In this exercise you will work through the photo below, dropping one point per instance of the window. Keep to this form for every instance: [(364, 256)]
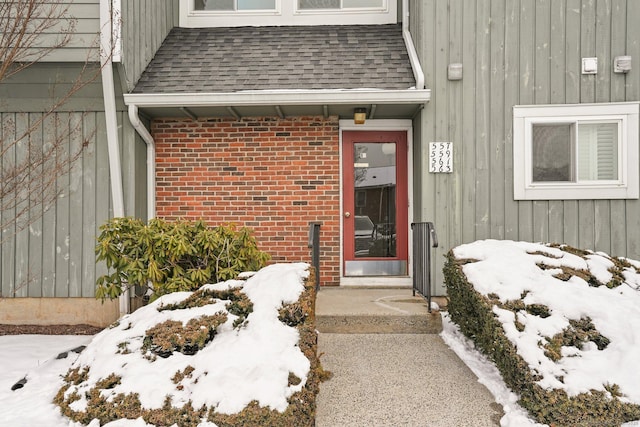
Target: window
[(581, 151), (339, 4), (235, 5), (236, 13)]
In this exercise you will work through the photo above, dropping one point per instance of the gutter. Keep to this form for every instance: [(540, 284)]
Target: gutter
[(111, 118), (280, 97), (134, 118), (411, 50)]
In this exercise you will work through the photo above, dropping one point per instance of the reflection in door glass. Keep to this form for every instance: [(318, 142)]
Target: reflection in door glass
[(375, 199)]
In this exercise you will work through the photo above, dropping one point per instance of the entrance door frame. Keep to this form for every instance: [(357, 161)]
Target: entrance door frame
[(372, 126)]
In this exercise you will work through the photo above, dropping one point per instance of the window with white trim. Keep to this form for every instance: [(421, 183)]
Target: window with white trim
[(234, 5), (577, 151), (339, 4), (233, 13)]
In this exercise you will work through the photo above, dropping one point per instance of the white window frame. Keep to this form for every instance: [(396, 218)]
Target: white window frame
[(286, 13), (628, 182), (341, 10)]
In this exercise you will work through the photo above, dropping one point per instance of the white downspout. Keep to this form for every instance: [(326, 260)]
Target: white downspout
[(134, 118), (108, 93), (411, 49)]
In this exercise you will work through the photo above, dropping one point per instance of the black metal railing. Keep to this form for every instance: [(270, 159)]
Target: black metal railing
[(424, 238), (314, 244)]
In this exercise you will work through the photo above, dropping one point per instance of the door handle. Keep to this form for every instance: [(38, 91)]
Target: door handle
[(347, 214)]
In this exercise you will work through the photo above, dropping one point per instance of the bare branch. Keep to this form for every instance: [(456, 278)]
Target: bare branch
[(35, 149), (25, 22)]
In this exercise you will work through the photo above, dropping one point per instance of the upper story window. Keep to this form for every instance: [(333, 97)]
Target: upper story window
[(235, 13), (583, 151), (235, 5), (338, 4)]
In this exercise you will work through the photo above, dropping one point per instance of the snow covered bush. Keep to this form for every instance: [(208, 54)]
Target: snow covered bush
[(262, 370), (561, 324), (172, 256)]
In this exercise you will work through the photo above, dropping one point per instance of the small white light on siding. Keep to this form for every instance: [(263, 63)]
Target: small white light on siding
[(622, 64), (589, 65), (454, 71)]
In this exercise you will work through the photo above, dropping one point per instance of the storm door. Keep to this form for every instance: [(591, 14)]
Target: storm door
[(375, 203)]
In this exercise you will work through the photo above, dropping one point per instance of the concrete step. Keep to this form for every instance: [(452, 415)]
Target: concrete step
[(430, 324), (351, 310)]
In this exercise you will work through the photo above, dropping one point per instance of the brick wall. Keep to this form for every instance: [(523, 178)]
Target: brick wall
[(273, 175)]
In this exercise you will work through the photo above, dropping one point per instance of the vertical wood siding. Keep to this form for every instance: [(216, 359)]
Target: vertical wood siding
[(145, 24), (517, 52), (54, 256)]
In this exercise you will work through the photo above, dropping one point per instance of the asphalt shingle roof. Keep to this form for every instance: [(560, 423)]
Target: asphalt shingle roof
[(258, 58)]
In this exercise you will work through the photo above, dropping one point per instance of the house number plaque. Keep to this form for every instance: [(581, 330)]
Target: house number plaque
[(440, 157)]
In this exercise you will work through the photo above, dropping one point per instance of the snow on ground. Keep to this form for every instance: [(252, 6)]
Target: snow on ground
[(263, 353), (616, 313), (488, 375), (35, 357)]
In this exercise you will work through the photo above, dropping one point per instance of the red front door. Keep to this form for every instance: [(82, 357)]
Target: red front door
[(375, 203)]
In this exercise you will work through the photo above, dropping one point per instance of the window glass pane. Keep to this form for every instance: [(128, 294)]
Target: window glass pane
[(214, 5), (361, 3), (256, 4), (597, 151), (375, 196), (551, 152), (318, 4)]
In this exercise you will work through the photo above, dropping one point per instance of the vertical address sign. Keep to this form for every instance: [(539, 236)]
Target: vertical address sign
[(440, 157)]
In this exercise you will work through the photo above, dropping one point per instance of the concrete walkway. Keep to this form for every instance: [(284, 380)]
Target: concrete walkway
[(394, 370)]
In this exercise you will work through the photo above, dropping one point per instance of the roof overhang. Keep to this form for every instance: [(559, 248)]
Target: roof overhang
[(381, 103)]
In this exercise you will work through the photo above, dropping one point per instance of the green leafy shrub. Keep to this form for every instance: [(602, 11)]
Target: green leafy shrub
[(172, 256), (473, 313)]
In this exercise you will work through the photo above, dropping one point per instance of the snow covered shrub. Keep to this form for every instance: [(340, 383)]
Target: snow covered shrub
[(172, 256), (302, 406), (225, 353), (238, 303), (170, 336), (558, 322)]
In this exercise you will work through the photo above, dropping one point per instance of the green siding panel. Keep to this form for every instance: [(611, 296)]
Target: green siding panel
[(632, 86), (53, 256), (22, 278), (89, 195), (146, 25), (496, 128), (84, 39), (517, 52), (511, 91)]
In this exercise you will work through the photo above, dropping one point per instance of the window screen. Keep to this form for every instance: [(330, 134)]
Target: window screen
[(559, 154), (235, 4), (336, 4), (551, 156)]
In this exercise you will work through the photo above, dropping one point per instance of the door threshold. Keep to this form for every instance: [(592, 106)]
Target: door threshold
[(377, 282)]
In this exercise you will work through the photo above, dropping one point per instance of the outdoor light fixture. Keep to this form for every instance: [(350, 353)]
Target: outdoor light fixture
[(622, 64), (359, 116)]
